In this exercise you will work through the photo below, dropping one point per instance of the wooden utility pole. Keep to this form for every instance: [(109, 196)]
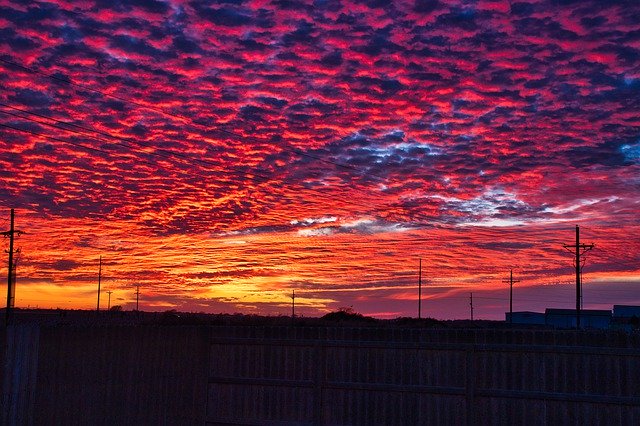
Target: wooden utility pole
[(511, 281), (420, 290), (99, 279), (471, 304), (580, 250), (109, 302), (293, 304), (137, 296), (10, 278)]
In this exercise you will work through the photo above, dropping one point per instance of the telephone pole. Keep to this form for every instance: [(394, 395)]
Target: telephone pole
[(109, 302), (471, 304), (10, 278), (99, 279), (511, 281), (581, 283), (420, 290), (293, 304), (580, 250), (137, 296)]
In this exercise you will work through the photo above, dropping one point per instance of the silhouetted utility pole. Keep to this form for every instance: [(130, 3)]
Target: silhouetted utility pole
[(10, 278), (581, 283), (580, 250), (16, 258), (511, 281), (137, 295), (471, 304), (420, 290), (109, 302), (99, 279), (293, 304)]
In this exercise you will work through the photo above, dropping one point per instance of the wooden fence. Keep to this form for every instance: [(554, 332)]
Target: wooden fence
[(175, 375), (347, 376), (104, 376)]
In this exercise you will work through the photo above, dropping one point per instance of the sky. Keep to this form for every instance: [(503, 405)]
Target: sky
[(220, 155)]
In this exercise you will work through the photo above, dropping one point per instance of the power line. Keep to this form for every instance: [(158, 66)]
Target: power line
[(178, 116), (70, 82), (611, 259), (163, 152), (157, 151), (525, 299), (168, 154), (249, 175), (90, 148), (88, 88)]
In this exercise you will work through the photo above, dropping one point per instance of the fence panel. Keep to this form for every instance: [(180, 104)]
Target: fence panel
[(429, 377)]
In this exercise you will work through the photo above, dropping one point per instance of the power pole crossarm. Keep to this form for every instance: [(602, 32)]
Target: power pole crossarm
[(511, 281), (579, 250), (11, 233)]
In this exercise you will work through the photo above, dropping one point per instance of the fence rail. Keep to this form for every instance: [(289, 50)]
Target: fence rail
[(333, 375), (349, 381)]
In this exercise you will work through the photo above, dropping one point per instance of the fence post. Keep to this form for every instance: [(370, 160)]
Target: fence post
[(470, 386), (320, 355), (20, 374)]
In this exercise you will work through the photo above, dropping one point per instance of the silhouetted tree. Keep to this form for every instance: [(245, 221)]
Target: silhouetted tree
[(346, 314)]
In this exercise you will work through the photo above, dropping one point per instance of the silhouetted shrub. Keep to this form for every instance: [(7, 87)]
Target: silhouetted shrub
[(347, 315)]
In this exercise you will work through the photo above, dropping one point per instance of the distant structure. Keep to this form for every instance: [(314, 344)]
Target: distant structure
[(566, 318), (525, 317), (626, 312), (623, 317), (626, 317)]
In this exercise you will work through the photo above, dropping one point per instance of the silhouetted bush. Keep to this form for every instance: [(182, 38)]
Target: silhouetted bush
[(415, 322), (347, 315)]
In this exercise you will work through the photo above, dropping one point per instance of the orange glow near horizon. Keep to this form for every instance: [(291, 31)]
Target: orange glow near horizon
[(328, 268)]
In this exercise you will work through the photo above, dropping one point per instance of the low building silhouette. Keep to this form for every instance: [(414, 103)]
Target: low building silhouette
[(589, 318), (525, 318), (626, 311), (566, 318)]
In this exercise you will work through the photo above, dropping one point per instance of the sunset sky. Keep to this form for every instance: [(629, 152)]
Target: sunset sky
[(222, 154)]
